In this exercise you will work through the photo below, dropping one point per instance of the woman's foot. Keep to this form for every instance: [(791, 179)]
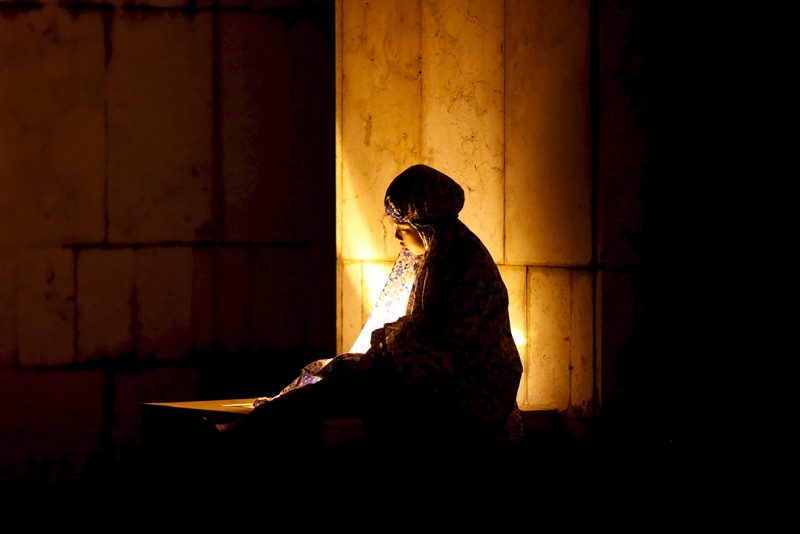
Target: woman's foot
[(223, 428), (209, 426)]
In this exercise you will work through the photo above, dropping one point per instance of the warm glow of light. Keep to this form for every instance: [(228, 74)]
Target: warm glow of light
[(519, 338), (375, 276), (359, 286), (419, 85), (361, 345), (361, 243)]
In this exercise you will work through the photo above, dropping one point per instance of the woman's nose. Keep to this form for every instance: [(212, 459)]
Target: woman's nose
[(397, 235)]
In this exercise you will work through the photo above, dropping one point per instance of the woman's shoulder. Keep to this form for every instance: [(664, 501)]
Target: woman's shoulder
[(462, 254), (472, 250)]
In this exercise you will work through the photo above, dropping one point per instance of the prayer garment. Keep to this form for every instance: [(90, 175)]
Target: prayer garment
[(436, 355)]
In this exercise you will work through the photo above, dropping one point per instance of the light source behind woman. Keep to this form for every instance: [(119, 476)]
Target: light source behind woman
[(445, 373)]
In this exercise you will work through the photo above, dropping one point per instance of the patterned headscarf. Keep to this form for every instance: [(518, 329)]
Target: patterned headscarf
[(424, 198)]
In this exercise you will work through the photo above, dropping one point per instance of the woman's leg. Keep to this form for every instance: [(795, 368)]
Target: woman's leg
[(283, 439)]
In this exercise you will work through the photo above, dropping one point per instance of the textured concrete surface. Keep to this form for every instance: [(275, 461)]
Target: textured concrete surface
[(203, 298), (108, 138), (273, 153), (233, 315), (164, 302), (549, 331), (8, 311), (548, 174), (462, 116), (160, 127), (380, 123), (279, 299), (52, 138), (107, 321), (45, 306), (115, 281), (581, 370)]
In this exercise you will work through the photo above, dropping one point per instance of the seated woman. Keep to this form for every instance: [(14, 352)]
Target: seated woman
[(445, 373)]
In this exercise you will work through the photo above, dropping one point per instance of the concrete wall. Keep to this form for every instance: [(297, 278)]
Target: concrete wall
[(167, 195), (505, 98), (166, 211)]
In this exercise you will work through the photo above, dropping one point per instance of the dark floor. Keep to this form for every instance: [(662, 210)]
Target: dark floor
[(615, 467), (568, 475)]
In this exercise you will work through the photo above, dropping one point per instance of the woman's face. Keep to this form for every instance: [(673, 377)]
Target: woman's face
[(409, 238)]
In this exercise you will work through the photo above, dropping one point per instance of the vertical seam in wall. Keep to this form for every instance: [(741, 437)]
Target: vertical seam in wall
[(107, 53), (525, 315), (105, 171), (596, 352), (339, 169), (217, 192), (594, 136), (571, 337), (505, 104), (421, 136), (361, 291), (109, 416), (15, 321), (75, 330), (136, 320), (250, 277)]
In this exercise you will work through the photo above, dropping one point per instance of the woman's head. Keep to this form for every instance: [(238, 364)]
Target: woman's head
[(420, 199), (421, 195)]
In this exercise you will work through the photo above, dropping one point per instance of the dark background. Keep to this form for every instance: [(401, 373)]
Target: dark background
[(684, 387)]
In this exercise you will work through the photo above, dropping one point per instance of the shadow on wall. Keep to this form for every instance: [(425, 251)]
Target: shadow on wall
[(80, 426), (157, 196)]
